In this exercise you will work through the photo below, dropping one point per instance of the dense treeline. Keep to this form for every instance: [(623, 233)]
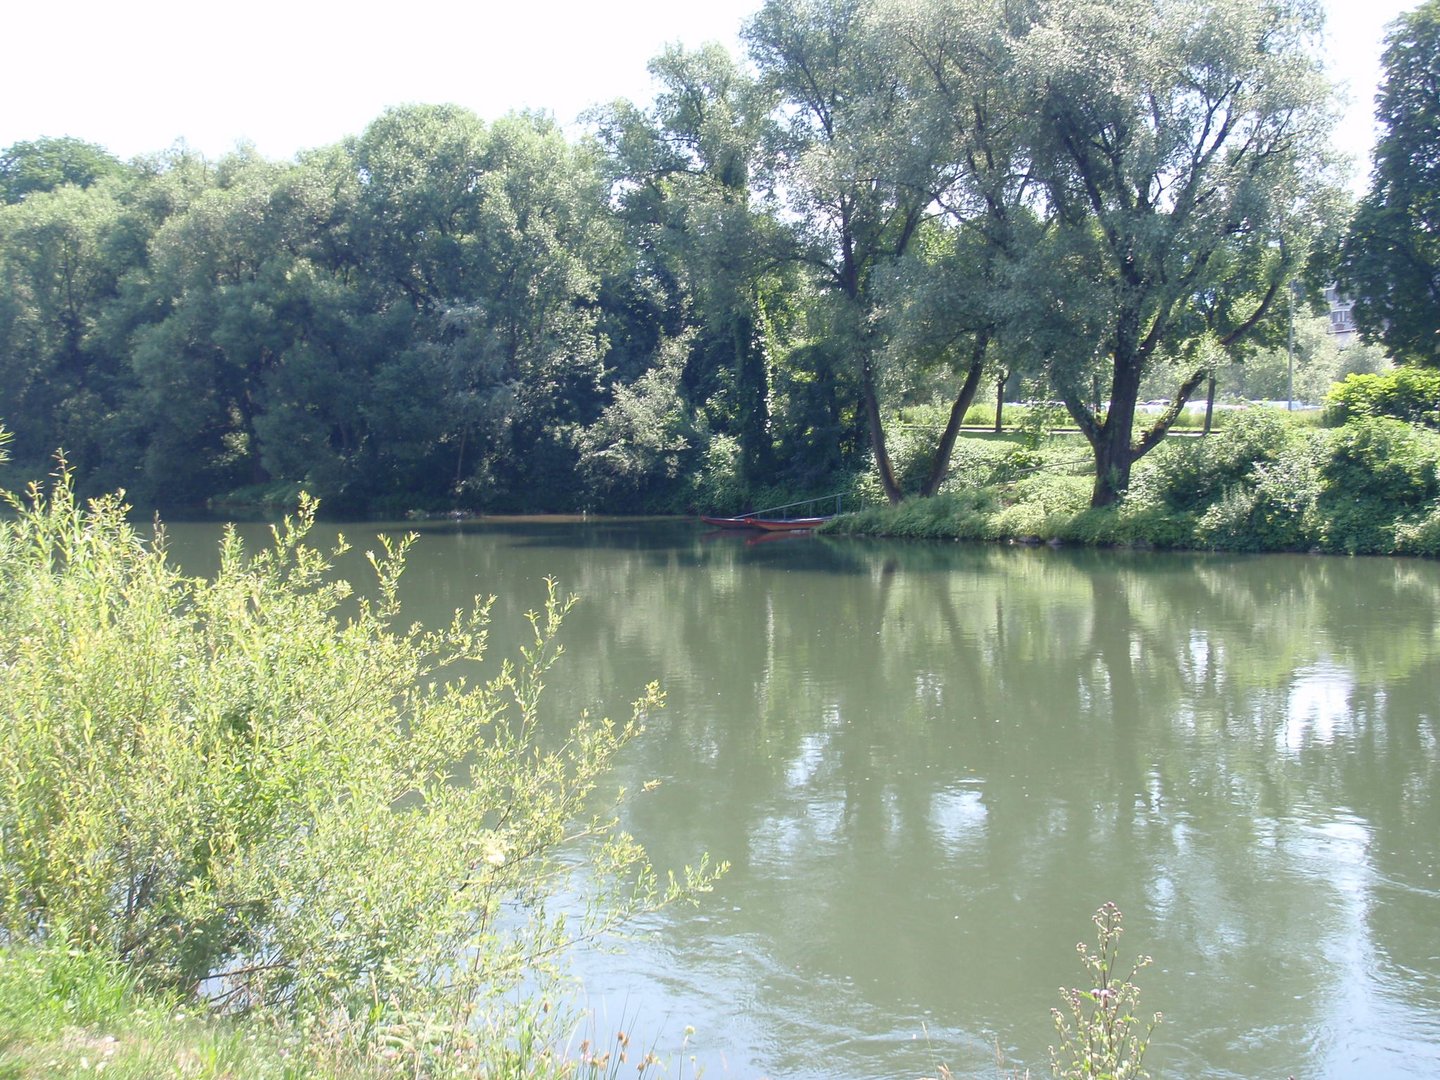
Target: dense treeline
[(415, 312), (894, 203)]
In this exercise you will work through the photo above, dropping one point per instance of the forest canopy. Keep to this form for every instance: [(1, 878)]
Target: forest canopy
[(884, 204)]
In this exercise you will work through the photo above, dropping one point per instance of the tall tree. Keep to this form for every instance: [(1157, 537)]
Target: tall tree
[(688, 176), (951, 307), (58, 383), (495, 237), (1390, 261), (858, 167), (219, 289), (1181, 147), (49, 163)]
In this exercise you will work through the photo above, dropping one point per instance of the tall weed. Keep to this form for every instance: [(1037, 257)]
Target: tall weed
[(1100, 1035)]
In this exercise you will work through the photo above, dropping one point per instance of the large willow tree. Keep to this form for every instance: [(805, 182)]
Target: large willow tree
[(1180, 144), (1110, 186)]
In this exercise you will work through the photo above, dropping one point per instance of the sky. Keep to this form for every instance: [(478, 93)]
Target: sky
[(288, 75)]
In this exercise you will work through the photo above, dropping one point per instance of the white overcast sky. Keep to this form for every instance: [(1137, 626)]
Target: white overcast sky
[(292, 74)]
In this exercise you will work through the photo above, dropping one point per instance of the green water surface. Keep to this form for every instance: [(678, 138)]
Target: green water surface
[(929, 764)]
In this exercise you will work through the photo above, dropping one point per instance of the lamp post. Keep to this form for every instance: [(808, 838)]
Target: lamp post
[(1290, 352)]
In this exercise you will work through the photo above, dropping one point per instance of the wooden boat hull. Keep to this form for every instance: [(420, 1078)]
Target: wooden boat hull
[(788, 524), (767, 524)]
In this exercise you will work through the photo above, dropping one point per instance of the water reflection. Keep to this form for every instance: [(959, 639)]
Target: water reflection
[(929, 763)]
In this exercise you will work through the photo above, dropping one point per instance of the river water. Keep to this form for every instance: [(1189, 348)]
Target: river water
[(928, 765)]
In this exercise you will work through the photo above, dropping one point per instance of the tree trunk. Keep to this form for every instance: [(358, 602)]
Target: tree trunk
[(1111, 441), (940, 460), (1114, 443), (1209, 403), (1113, 458), (757, 458), (1000, 400), (877, 433)]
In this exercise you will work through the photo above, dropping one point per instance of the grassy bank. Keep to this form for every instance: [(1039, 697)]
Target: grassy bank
[(66, 1011), (1263, 483)]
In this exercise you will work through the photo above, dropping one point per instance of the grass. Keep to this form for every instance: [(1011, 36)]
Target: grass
[(1002, 487), (67, 1012), (1269, 481)]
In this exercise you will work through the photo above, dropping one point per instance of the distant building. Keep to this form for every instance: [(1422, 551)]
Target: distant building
[(1342, 317)]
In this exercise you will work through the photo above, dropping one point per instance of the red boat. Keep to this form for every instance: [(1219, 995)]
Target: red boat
[(768, 524), (773, 518)]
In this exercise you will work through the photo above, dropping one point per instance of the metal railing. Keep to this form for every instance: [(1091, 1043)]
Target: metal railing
[(771, 511)]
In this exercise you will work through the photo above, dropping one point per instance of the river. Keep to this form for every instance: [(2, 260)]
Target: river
[(928, 765)]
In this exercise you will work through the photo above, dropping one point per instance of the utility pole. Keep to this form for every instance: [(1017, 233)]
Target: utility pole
[(1290, 353)]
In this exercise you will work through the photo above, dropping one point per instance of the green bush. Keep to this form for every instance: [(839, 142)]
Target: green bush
[(1420, 536), (1407, 393), (1189, 475), (718, 486), (1273, 508), (978, 415), (1377, 474), (983, 460), (261, 783)]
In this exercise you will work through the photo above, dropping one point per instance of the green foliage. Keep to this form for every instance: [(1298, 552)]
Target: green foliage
[(644, 440), (1273, 508), (1126, 283), (1186, 475), (56, 276), (1318, 361), (1251, 487), (1267, 482), (1101, 1038), (719, 487), (1377, 473), (1421, 536), (1039, 504), (1035, 422), (47, 164), (1391, 256), (446, 311), (963, 516), (263, 782), (1408, 393)]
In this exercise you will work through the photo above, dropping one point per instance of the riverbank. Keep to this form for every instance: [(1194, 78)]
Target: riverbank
[(1370, 487), (67, 1011)]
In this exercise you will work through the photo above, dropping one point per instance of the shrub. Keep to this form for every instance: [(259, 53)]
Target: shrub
[(977, 461), (1407, 393), (1273, 508), (1420, 536), (1188, 475), (1377, 473), (718, 485), (260, 781)]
